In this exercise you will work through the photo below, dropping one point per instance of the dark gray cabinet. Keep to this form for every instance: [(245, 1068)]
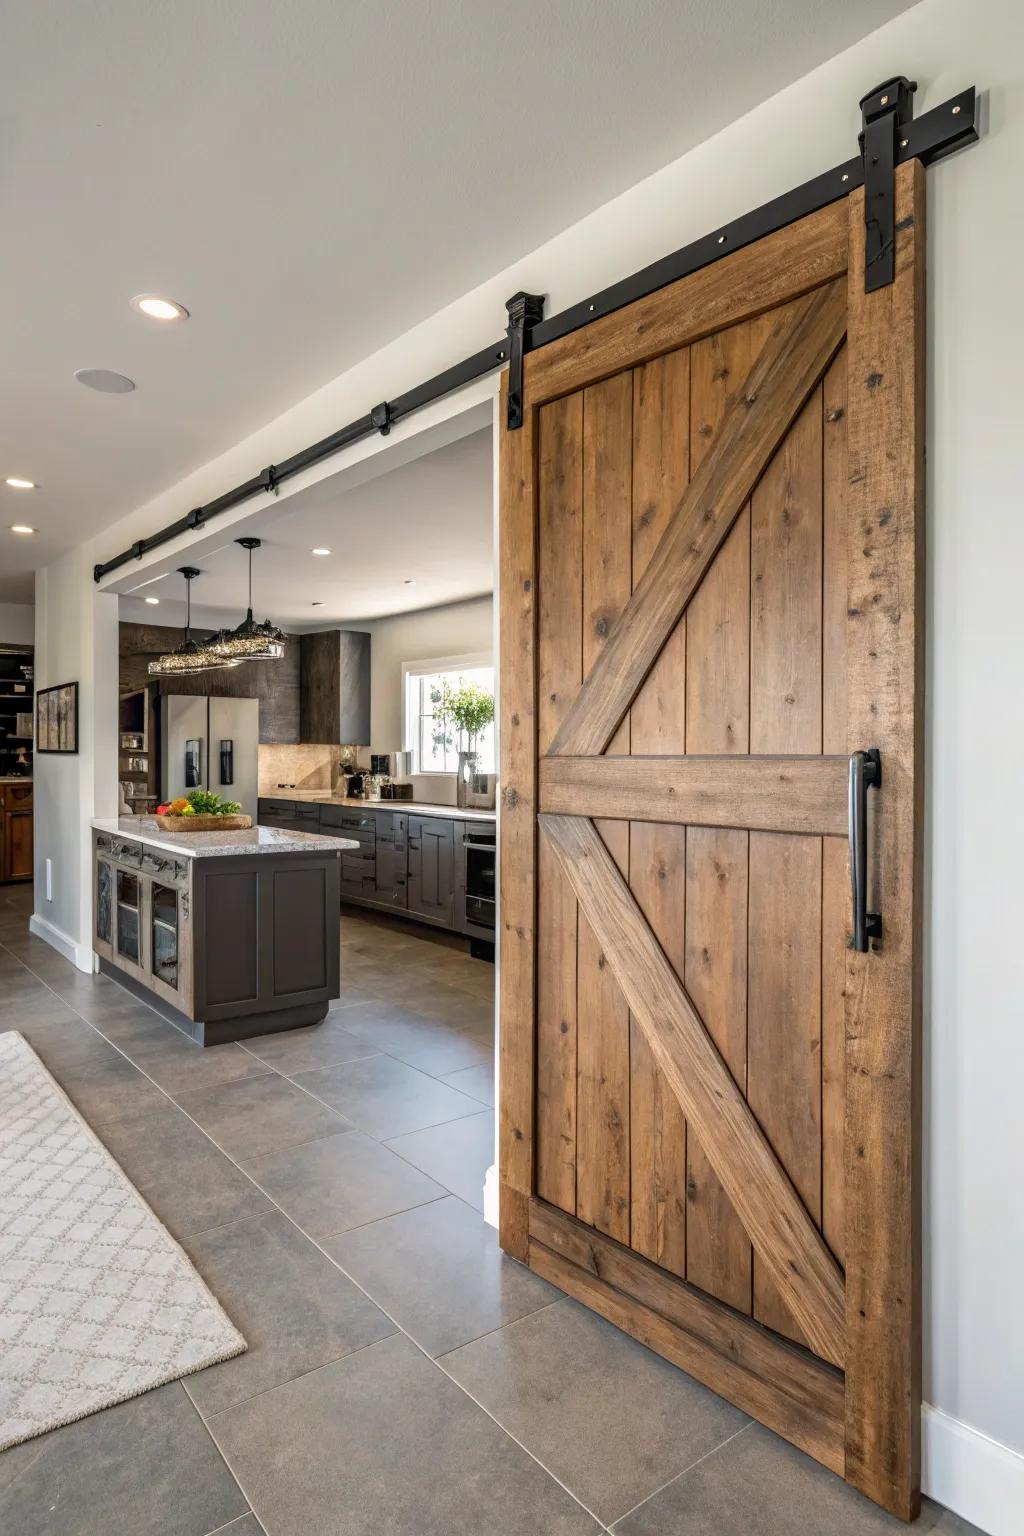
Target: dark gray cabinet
[(358, 865), (334, 687), (431, 885), (289, 815), (404, 862), (391, 873)]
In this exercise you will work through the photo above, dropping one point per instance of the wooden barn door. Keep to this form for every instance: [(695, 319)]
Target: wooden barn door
[(710, 596)]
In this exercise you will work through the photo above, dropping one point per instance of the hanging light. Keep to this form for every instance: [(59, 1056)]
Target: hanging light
[(250, 641), (190, 657)]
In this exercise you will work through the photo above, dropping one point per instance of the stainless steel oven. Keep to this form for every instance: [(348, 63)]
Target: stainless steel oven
[(476, 892)]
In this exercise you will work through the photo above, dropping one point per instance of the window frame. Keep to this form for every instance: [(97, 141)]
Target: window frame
[(411, 712)]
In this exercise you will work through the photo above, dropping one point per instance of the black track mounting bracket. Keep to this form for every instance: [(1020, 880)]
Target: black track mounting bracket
[(885, 112), (525, 310), (380, 418)]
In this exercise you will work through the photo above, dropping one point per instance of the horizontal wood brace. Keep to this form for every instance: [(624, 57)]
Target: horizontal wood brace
[(765, 794)]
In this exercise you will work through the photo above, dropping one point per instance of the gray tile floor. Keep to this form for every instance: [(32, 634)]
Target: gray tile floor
[(403, 1377)]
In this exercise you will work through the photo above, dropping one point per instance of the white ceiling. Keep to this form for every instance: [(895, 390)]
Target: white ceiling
[(310, 178), (429, 523)]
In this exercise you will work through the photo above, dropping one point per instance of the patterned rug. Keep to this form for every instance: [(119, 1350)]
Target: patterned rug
[(97, 1301)]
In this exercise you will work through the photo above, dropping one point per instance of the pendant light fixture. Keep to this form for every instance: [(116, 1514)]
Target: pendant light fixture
[(250, 641), (190, 657)]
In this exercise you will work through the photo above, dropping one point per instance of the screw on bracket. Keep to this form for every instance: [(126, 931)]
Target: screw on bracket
[(884, 111), (380, 417), (525, 310)]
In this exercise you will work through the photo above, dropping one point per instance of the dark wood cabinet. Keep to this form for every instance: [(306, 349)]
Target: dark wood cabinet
[(16, 844), (431, 886), (334, 687)]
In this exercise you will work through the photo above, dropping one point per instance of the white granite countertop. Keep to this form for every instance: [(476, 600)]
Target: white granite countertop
[(197, 845), (413, 807)]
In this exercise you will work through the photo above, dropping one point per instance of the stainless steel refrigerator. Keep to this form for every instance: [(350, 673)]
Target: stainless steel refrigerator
[(210, 743)]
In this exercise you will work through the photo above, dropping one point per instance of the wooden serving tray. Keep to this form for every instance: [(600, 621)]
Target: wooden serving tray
[(204, 823)]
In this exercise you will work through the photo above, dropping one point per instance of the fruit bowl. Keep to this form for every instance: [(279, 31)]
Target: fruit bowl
[(204, 823)]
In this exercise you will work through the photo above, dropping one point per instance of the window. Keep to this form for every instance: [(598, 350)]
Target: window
[(433, 738)]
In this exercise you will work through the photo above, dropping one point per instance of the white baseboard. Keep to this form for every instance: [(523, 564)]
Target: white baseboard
[(80, 955), (491, 1195), (974, 1476)]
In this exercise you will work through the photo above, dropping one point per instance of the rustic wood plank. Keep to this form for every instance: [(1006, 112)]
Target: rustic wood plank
[(783, 1387), (784, 1028), (661, 470), (718, 617), (784, 942), (560, 673), (602, 1092), (835, 920), (517, 545), (657, 878), (657, 853), (769, 794), (559, 562), (763, 1197), (777, 269), (835, 864), (719, 1257), (785, 593), (803, 340), (883, 1004), (834, 530), (718, 1248)]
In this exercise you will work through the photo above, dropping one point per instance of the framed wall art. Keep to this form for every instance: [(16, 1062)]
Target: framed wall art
[(57, 718)]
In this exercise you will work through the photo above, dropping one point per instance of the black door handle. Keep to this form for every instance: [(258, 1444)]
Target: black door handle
[(865, 774)]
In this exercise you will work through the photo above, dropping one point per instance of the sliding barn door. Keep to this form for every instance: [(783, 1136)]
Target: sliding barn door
[(710, 598)]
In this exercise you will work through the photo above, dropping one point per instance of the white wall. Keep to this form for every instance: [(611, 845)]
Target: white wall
[(75, 640), (17, 624), (974, 1216), (456, 629)]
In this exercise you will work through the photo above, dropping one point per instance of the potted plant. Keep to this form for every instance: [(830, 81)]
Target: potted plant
[(469, 708)]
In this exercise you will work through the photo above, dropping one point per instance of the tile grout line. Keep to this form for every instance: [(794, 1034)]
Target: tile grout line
[(332, 1260), (686, 1470)]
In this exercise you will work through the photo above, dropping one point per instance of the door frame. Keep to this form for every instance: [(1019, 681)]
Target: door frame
[(865, 1422)]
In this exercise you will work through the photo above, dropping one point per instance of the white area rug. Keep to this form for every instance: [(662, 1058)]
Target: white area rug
[(97, 1301)]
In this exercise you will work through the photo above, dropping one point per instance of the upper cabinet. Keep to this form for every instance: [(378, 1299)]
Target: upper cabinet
[(334, 696)]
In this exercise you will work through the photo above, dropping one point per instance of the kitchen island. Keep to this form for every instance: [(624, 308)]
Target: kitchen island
[(226, 934)]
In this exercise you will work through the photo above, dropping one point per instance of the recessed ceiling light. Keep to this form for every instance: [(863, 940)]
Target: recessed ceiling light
[(316, 605), (156, 308), (21, 528), (321, 551), (16, 483), (152, 600), (103, 379)]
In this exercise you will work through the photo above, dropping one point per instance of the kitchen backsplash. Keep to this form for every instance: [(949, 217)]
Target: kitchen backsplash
[(307, 767)]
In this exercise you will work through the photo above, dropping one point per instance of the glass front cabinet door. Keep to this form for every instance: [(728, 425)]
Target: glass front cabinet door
[(103, 898), (129, 931), (168, 943)]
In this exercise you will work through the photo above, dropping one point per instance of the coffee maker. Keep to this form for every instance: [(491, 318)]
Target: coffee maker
[(398, 767)]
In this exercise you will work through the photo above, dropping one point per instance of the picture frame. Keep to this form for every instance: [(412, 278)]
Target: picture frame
[(57, 718)]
